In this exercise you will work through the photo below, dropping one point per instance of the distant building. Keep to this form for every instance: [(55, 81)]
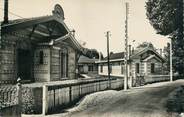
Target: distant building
[(38, 49), (145, 62), (87, 65)]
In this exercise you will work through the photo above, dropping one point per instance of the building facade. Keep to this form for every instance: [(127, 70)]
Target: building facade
[(38, 49), (87, 65), (142, 62)]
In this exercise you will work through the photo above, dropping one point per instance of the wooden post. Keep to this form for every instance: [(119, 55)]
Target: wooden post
[(19, 91), (5, 11), (70, 94), (171, 72), (126, 49), (45, 101), (108, 61)]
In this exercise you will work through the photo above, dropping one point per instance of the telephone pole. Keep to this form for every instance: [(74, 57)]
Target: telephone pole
[(126, 48), (109, 80)]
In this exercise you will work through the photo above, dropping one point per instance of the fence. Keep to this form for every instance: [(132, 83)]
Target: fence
[(8, 96), (156, 78), (61, 96)]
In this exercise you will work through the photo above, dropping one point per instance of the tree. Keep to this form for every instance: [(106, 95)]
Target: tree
[(166, 17), (145, 44), (91, 53), (166, 52)]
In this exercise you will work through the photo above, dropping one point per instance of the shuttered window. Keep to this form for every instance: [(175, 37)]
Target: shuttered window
[(41, 57), (64, 63), (137, 67), (101, 68), (152, 68)]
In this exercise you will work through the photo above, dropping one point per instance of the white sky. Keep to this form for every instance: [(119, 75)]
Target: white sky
[(92, 18)]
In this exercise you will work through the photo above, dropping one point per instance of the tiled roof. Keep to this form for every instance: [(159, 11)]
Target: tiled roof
[(136, 53), (119, 55), (16, 21), (84, 59)]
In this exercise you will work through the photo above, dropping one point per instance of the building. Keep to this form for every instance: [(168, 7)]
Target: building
[(87, 65), (144, 62), (38, 49)]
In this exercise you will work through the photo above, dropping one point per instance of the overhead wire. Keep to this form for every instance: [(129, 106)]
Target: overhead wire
[(14, 14)]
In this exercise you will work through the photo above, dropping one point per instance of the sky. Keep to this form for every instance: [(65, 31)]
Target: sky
[(92, 18)]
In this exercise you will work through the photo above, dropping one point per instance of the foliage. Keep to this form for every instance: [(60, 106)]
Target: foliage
[(166, 52), (145, 44), (27, 101), (92, 53), (166, 18)]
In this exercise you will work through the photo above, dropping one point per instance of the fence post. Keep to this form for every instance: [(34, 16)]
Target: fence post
[(45, 103), (19, 91), (70, 94)]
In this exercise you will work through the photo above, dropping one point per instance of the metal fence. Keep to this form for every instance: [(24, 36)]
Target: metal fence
[(58, 97)]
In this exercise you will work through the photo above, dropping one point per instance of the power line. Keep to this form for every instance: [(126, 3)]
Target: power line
[(12, 13)]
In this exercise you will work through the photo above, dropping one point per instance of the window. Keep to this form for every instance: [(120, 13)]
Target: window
[(137, 67), (152, 68), (64, 63), (41, 57), (101, 68), (90, 68)]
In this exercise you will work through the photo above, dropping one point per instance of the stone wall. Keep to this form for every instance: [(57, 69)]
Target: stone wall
[(42, 71), (71, 63), (8, 64), (55, 65)]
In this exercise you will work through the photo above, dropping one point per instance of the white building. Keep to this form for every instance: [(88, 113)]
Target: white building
[(146, 62)]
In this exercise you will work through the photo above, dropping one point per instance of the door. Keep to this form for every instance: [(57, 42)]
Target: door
[(24, 64)]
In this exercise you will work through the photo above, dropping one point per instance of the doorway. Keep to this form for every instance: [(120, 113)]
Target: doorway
[(24, 64)]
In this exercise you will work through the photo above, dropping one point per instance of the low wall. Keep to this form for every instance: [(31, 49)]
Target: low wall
[(8, 96), (56, 97), (156, 78)]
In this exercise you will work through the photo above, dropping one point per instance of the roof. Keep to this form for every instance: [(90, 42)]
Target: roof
[(150, 57), (84, 59), (120, 56), (45, 28), (138, 53)]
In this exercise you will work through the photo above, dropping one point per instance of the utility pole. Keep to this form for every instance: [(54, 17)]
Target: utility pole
[(109, 80), (5, 12), (126, 48), (171, 71)]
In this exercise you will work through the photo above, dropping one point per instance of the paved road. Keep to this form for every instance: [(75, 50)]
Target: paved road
[(147, 101)]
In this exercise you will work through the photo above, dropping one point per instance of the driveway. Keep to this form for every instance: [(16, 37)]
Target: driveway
[(146, 101)]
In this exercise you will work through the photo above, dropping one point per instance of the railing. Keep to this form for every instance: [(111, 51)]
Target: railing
[(61, 96), (8, 96)]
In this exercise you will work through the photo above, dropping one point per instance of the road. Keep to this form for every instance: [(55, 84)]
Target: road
[(146, 101)]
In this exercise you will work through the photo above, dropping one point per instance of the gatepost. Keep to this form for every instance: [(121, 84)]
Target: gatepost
[(19, 95)]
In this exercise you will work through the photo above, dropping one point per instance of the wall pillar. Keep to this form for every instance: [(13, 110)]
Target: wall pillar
[(44, 102)]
